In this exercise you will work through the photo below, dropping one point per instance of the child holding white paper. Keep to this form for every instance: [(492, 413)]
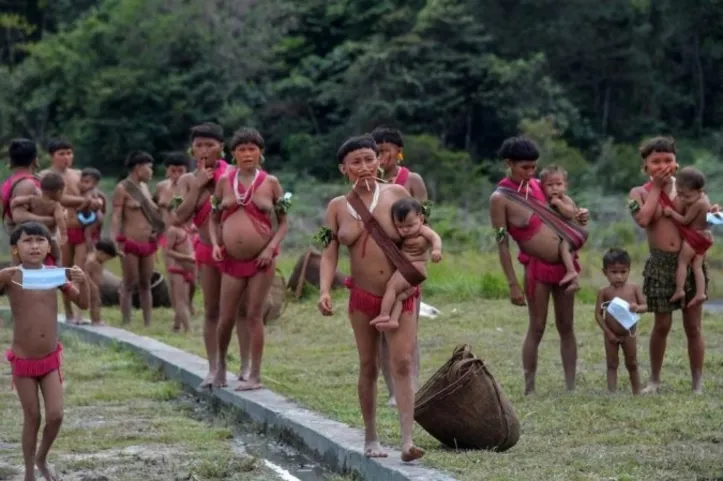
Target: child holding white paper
[(616, 312)]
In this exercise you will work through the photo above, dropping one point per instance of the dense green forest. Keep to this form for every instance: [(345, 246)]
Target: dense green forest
[(587, 79)]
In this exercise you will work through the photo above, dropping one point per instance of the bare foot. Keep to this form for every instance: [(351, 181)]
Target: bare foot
[(29, 475), (380, 319), (697, 299), (244, 373), (677, 296), (99, 323), (698, 391), (573, 286), (219, 379), (45, 470), (385, 326), (411, 453), (569, 277), (652, 388), (249, 385), (208, 380), (392, 403), (372, 449)]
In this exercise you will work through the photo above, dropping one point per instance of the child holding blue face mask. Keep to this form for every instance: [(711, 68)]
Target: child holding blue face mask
[(35, 355), (616, 312)]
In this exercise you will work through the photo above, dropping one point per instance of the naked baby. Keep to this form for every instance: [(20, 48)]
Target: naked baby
[(47, 204), (35, 355), (417, 239)]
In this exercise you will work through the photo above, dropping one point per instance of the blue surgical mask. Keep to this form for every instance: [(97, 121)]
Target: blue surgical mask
[(43, 279), (85, 220)]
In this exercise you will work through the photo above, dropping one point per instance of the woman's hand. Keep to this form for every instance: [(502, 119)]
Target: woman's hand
[(217, 253), (517, 297), (324, 304), (264, 259), (714, 209)]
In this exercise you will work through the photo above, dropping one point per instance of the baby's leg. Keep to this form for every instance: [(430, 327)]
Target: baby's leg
[(685, 256), (611, 357), (393, 322), (95, 305), (27, 389), (55, 250), (88, 234), (630, 351), (571, 274), (395, 286), (699, 276)]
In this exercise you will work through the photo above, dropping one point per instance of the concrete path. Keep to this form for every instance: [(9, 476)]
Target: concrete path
[(336, 445)]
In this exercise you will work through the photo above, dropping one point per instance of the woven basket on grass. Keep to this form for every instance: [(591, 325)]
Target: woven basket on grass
[(463, 407), (277, 299)]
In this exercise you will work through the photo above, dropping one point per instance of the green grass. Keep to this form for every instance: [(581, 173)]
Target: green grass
[(587, 435), (123, 421)]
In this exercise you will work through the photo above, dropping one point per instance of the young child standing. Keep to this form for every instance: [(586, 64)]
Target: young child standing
[(92, 220), (554, 185), (47, 204), (417, 240), (35, 355), (691, 210), (104, 251), (616, 267), (182, 273)]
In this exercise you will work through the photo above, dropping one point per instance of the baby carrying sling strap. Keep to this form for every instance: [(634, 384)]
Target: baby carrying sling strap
[(386, 244), (149, 212), (574, 234)]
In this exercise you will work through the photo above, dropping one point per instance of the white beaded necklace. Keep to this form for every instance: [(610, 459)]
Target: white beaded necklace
[(372, 206), (245, 198)]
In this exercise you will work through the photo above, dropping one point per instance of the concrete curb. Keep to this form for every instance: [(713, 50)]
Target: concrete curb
[(336, 445)]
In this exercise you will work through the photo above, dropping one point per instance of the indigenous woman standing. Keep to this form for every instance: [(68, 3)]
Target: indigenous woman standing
[(196, 190), (665, 238), (391, 155), (371, 268), (518, 209), (135, 226), (246, 250)]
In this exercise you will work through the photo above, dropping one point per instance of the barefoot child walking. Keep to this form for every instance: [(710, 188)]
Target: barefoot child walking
[(417, 239), (94, 262), (690, 209), (616, 267), (35, 355), (554, 185), (182, 274)]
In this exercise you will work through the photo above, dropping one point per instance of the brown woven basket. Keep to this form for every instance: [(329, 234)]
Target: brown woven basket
[(463, 407), (277, 299)]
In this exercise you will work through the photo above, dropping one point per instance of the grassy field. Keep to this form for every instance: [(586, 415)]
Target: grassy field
[(587, 435), (122, 421)]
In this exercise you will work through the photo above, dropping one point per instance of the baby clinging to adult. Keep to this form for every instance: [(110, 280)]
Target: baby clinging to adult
[(417, 241), (35, 354), (691, 210), (554, 184), (47, 204), (616, 267)]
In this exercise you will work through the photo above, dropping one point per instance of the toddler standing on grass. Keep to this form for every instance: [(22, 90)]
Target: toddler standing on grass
[(35, 356), (616, 267)]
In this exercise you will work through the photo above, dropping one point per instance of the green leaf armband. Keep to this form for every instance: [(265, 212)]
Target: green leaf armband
[(500, 235), (427, 208), (633, 206), (324, 237), (283, 204), (215, 204)]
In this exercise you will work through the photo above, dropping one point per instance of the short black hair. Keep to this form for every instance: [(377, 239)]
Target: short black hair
[(180, 159), (55, 145), (22, 152), (690, 178), (386, 135), (246, 135), (356, 143), (52, 182), (138, 157), (207, 130), (29, 228), (616, 256), (107, 247), (660, 144), (519, 149), (403, 207), (91, 172)]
